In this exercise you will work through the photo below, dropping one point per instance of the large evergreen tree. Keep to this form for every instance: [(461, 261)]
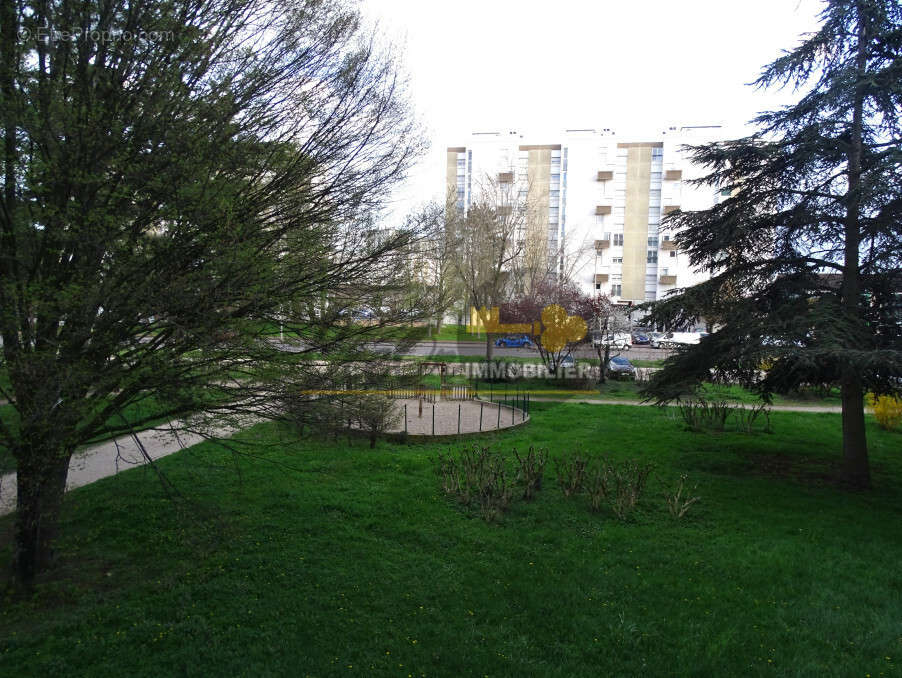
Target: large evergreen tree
[(806, 245)]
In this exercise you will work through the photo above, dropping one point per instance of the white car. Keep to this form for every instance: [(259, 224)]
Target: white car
[(621, 340), (675, 339)]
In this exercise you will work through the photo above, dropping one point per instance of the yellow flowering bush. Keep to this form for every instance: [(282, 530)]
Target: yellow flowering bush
[(887, 409)]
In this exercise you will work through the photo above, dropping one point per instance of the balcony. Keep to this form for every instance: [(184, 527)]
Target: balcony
[(668, 245), (667, 279), (668, 209), (601, 278), (505, 177), (673, 175), (602, 209), (602, 244), (605, 176)]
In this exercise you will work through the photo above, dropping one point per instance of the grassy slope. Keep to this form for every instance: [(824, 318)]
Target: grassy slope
[(354, 564)]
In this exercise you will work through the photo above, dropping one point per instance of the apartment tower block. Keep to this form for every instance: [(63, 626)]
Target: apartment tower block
[(601, 199)]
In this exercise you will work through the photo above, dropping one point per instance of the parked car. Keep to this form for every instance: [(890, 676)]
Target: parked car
[(653, 338), (675, 339), (514, 341), (621, 340), (640, 339), (621, 367), (363, 314), (568, 361)]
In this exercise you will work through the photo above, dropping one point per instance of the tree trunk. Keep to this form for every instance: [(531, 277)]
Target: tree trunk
[(41, 482), (856, 469), (603, 359), (488, 347)]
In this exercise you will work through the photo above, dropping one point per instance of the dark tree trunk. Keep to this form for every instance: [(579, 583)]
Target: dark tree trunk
[(856, 469), (603, 358), (488, 346), (41, 483)]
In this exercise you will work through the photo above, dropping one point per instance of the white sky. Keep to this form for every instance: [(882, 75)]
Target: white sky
[(635, 66)]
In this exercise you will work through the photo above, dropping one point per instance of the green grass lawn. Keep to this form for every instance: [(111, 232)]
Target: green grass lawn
[(626, 390), (326, 558)]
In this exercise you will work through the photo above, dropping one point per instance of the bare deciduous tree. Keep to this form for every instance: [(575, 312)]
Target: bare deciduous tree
[(488, 242), (168, 199)]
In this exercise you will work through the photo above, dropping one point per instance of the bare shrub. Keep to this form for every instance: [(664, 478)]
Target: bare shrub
[(704, 415), (746, 417), (478, 477), (532, 468), (571, 473), (618, 485), (678, 499)]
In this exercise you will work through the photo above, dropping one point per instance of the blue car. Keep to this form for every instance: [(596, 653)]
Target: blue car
[(514, 341)]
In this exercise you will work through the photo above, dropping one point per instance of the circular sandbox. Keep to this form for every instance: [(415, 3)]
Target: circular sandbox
[(476, 416)]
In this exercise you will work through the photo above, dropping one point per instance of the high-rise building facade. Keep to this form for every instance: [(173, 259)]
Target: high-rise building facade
[(601, 199)]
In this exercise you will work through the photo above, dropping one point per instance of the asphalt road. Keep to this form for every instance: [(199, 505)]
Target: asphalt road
[(473, 348)]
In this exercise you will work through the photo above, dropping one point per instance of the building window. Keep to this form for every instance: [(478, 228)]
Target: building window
[(653, 241), (553, 215), (616, 290), (652, 257), (597, 286), (672, 254), (617, 260), (618, 240)]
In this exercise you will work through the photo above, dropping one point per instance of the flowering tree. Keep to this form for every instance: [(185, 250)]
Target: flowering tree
[(557, 316)]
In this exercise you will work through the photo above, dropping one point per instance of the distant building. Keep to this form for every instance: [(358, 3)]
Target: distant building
[(601, 199)]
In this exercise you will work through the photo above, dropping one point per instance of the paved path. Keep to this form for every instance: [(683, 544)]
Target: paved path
[(111, 457), (636, 403)]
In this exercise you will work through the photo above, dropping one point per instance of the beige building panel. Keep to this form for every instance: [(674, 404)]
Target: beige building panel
[(538, 175), (451, 176), (635, 220)]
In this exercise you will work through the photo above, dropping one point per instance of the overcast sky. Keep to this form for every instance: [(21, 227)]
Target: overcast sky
[(635, 66)]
